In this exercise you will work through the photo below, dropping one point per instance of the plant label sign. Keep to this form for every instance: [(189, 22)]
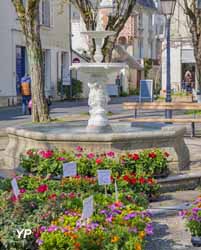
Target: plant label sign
[(69, 169), (88, 207), (15, 187), (104, 177)]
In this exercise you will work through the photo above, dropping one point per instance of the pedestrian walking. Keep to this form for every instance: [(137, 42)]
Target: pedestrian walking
[(25, 89)]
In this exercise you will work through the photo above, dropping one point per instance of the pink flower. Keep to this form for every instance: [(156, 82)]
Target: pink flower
[(61, 159), (78, 155), (71, 195), (46, 154), (22, 190), (42, 188), (79, 149), (90, 155), (111, 154), (13, 198)]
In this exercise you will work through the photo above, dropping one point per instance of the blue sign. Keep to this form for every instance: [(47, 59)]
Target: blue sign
[(146, 90)]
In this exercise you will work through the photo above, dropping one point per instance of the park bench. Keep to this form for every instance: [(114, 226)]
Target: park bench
[(164, 106)]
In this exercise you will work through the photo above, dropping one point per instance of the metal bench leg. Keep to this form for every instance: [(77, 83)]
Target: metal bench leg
[(193, 129), (135, 113)]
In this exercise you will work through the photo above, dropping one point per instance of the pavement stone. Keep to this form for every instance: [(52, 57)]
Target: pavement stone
[(170, 234)]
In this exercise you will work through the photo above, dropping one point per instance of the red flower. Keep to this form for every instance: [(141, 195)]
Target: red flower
[(152, 155), (52, 197), (166, 154), (126, 178), (99, 161), (30, 153), (130, 155), (118, 204), (133, 181), (150, 181), (135, 157), (42, 188), (142, 180)]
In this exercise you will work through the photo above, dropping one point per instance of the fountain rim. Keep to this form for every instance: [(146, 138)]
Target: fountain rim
[(96, 137)]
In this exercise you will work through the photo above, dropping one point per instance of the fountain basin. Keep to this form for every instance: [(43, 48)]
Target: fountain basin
[(123, 138)]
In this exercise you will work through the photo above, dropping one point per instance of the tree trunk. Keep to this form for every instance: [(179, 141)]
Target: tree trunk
[(39, 103), (30, 24)]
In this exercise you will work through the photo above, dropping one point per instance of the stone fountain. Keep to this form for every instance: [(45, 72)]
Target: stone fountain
[(98, 72), (97, 134)]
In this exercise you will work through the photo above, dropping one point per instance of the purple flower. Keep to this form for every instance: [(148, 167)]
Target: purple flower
[(104, 212), (183, 213), (109, 218), (130, 216), (116, 211), (52, 228), (42, 229), (133, 229), (149, 229), (39, 242), (92, 226)]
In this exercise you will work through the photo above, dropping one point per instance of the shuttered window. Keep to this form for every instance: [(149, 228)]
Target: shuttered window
[(46, 13)]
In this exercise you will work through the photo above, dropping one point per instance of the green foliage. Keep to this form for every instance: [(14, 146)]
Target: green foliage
[(135, 91), (147, 66), (76, 89)]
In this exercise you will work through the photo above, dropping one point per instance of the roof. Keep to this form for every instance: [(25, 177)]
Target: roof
[(147, 3)]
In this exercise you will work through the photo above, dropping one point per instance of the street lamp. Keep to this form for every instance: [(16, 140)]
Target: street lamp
[(167, 9)]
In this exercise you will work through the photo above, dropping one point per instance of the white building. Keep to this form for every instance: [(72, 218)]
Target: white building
[(13, 58), (182, 52)]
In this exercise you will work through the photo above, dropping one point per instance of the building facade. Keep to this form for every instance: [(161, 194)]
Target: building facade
[(182, 52), (13, 59)]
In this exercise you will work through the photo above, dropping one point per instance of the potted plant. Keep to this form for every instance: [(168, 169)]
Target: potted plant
[(193, 221)]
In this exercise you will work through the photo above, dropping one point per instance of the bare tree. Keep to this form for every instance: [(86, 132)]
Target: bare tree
[(28, 15), (194, 18), (88, 11)]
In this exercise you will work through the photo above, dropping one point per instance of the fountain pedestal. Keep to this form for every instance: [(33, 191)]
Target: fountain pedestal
[(98, 103)]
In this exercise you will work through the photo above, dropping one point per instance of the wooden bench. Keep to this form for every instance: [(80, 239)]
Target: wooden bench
[(164, 106)]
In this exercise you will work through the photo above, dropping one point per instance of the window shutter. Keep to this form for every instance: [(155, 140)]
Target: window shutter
[(52, 13)]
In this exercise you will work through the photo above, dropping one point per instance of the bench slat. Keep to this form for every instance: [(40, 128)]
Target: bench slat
[(161, 106), (155, 119)]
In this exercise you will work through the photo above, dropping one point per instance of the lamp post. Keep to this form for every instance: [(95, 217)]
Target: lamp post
[(167, 9)]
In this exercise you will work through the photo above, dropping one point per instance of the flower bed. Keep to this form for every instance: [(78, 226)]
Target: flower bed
[(147, 162), (45, 203), (52, 208)]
